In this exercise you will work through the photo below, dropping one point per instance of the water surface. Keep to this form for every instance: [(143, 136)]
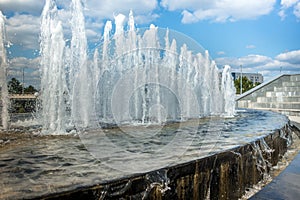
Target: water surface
[(39, 165)]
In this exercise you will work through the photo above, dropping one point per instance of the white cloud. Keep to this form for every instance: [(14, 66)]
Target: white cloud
[(255, 60), (23, 30), (22, 62), (23, 27), (97, 11), (286, 4), (106, 8), (145, 19), (249, 60), (188, 17), (31, 70), (221, 53), (30, 6), (297, 10), (219, 10), (288, 62), (290, 57), (187, 4), (250, 46), (282, 14), (93, 29)]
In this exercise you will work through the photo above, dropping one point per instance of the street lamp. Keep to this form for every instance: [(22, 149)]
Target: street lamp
[(241, 81), (23, 84), (280, 69)]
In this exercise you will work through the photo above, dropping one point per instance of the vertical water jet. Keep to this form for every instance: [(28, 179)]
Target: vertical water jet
[(80, 73), (228, 91), (54, 90), (3, 72)]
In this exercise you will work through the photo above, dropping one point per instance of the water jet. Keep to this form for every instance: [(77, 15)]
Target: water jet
[(3, 73)]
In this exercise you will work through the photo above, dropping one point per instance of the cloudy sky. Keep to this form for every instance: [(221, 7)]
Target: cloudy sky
[(261, 35)]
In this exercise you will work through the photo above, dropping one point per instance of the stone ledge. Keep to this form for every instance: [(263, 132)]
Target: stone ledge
[(282, 94), (278, 99), (295, 119), (278, 109)]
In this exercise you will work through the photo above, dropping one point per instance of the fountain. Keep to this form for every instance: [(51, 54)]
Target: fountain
[(228, 90), (151, 114), (139, 76), (3, 71), (53, 84)]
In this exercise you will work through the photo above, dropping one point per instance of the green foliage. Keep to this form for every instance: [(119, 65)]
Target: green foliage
[(15, 87), (30, 90), (246, 85), (256, 84), (21, 106), (21, 110)]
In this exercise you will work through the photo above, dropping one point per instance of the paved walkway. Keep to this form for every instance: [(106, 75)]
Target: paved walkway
[(295, 119), (286, 185)]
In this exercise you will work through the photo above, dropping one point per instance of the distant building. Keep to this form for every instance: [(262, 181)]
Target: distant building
[(254, 77)]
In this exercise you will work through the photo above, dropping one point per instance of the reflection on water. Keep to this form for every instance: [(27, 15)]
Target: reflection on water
[(53, 164)]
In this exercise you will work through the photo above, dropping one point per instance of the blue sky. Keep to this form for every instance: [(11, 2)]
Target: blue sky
[(261, 35), (268, 35)]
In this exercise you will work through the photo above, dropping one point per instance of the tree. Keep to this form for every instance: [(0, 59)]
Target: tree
[(246, 85), (14, 86), (21, 106), (30, 90)]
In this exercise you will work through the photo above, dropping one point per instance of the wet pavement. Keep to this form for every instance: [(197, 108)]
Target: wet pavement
[(286, 185)]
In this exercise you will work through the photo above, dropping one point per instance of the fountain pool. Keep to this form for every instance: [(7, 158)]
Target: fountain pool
[(47, 164)]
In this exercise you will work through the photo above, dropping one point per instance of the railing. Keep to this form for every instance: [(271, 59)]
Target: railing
[(22, 96)]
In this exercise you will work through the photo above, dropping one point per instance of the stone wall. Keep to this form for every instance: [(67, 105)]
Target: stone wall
[(281, 94), (225, 175)]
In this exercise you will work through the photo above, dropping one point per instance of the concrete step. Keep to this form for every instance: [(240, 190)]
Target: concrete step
[(291, 84), (295, 77), (287, 89), (287, 105), (288, 112), (283, 94), (280, 105), (278, 99)]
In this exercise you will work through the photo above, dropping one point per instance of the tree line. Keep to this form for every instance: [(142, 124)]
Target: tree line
[(16, 87), (21, 106), (246, 85)]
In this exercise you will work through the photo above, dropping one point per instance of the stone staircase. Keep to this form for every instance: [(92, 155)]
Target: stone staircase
[(281, 94)]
